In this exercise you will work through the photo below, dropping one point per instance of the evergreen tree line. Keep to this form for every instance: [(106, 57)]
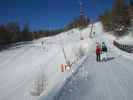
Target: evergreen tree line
[(118, 19), (48, 32), (12, 33), (78, 22)]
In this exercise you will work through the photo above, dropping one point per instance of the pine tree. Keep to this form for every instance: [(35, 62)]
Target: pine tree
[(131, 9), (5, 36), (106, 19), (26, 34), (117, 19), (120, 18), (131, 2), (14, 29)]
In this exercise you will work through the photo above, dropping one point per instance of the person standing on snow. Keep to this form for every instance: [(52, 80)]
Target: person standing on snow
[(104, 50), (43, 47), (98, 53)]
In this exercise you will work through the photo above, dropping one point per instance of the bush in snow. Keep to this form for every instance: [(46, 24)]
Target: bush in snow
[(39, 85), (73, 53)]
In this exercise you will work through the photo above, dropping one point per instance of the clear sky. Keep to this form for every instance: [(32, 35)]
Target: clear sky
[(41, 14)]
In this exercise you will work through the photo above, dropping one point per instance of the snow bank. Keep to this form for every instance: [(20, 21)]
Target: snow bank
[(23, 65), (126, 40), (64, 77), (72, 45)]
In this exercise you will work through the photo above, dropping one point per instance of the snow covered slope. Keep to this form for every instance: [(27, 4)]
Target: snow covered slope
[(110, 80), (126, 40), (21, 66)]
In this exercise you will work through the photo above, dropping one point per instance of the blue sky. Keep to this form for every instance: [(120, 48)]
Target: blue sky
[(41, 14)]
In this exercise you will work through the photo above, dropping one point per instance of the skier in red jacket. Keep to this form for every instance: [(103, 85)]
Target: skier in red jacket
[(98, 53)]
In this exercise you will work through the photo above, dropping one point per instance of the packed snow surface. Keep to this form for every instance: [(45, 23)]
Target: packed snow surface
[(22, 65)]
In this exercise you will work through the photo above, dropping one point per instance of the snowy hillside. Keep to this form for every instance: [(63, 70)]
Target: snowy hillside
[(21, 67)]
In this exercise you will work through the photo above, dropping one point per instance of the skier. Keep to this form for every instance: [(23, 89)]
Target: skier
[(104, 51), (98, 53), (43, 45), (94, 33)]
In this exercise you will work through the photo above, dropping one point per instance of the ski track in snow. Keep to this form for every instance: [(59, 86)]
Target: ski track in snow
[(111, 80)]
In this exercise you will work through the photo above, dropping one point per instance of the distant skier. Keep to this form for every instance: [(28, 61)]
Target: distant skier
[(98, 53), (43, 44), (104, 51), (94, 33)]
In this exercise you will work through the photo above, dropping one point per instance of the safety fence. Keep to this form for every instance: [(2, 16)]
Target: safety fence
[(124, 47)]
